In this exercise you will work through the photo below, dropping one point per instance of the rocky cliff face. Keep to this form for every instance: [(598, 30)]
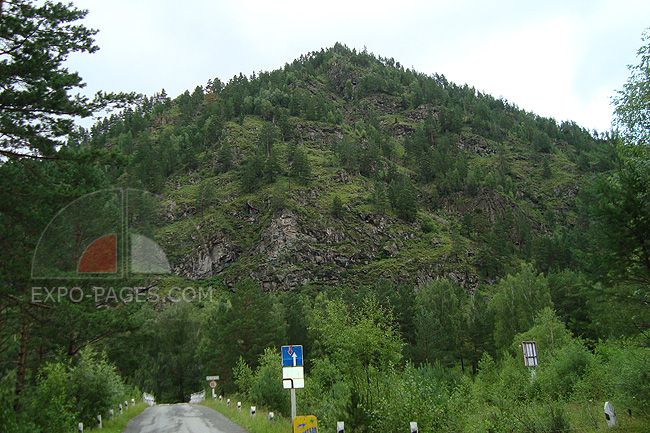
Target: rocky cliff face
[(295, 248), (210, 260)]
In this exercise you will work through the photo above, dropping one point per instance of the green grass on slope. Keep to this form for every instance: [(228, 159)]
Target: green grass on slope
[(257, 424), (118, 423)]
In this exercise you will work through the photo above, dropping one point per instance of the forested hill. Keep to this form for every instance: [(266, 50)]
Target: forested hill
[(345, 168), (408, 232)]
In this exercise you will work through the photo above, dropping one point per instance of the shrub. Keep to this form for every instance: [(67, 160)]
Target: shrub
[(96, 385), (53, 406), (619, 372), (267, 387), (564, 370), (414, 394), (243, 378), (67, 394), (263, 386)]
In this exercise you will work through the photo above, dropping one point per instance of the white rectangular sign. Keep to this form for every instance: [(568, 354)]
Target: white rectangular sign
[(209, 378), (293, 377)]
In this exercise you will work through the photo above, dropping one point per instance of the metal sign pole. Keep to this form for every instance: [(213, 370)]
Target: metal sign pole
[(293, 373)]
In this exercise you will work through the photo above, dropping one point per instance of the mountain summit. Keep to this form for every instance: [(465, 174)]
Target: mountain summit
[(343, 166)]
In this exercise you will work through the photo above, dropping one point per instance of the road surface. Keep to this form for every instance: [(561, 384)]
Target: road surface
[(181, 418)]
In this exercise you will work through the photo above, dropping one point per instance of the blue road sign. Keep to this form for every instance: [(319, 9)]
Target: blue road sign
[(292, 356)]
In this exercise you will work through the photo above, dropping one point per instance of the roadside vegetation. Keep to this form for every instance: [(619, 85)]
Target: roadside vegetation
[(410, 233)]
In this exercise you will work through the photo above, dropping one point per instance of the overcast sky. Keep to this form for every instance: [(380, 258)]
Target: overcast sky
[(561, 59)]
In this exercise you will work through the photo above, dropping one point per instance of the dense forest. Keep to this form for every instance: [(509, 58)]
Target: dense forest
[(409, 232)]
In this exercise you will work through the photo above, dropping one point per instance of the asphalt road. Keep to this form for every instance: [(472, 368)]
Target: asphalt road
[(181, 418)]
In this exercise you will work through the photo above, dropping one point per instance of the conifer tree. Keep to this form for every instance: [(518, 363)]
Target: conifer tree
[(36, 109)]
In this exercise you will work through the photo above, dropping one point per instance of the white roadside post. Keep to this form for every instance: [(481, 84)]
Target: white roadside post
[(271, 415), (610, 415), (111, 413), (126, 405), (197, 397), (149, 399), (253, 408), (120, 406), (99, 421), (414, 427), (340, 427), (132, 401), (293, 373), (80, 427), (239, 406)]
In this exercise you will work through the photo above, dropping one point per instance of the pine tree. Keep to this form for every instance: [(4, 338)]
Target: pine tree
[(337, 207), (300, 168), (379, 198), (36, 111), (224, 157)]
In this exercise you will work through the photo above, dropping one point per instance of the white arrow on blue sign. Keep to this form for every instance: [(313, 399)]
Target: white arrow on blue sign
[(292, 356)]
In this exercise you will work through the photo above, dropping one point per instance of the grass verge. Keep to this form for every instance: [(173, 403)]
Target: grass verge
[(257, 424), (118, 423)]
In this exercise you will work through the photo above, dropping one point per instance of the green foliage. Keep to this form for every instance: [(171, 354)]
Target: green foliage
[(412, 394), (369, 333), (68, 393), (54, 402), (355, 347), (619, 373), (574, 300), (380, 198), (327, 393), (257, 424), (633, 102), (542, 142), (263, 386), (402, 198), (96, 385), (171, 370), (516, 302), (437, 322), (11, 420), (36, 109), (243, 375), (495, 184), (563, 359), (118, 424), (300, 166), (247, 327), (337, 207), (622, 232)]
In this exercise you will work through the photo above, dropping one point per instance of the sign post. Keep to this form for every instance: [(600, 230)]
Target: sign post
[(212, 381), (293, 374)]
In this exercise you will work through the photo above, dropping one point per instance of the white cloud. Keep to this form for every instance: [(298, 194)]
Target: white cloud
[(524, 66), (560, 59)]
